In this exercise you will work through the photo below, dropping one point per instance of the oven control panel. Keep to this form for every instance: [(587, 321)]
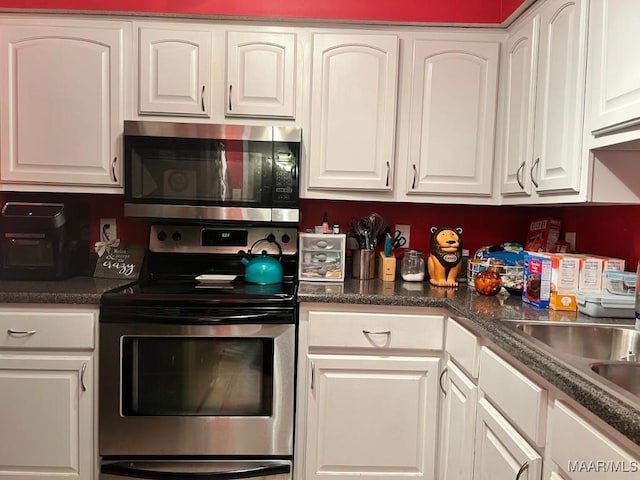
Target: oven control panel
[(169, 238)]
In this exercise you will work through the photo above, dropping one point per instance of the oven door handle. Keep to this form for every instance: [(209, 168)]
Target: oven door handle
[(167, 470), (245, 318)]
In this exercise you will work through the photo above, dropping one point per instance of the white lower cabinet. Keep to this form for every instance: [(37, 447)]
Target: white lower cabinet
[(47, 424), (367, 397), (501, 452), (580, 451), (371, 416), (458, 423)]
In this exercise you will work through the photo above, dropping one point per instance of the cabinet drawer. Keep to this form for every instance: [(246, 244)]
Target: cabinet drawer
[(39, 329), (376, 330), (521, 400), (463, 347), (576, 444)]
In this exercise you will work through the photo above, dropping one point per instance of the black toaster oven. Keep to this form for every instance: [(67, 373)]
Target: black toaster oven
[(43, 241)]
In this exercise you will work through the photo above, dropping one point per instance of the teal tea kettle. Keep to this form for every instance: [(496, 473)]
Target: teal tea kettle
[(262, 269)]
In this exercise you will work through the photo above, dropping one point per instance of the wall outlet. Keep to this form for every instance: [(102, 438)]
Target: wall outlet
[(570, 238), (405, 231), (108, 229)]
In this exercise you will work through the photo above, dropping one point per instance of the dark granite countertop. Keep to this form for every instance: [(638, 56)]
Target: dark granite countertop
[(492, 318), (487, 316), (76, 290)]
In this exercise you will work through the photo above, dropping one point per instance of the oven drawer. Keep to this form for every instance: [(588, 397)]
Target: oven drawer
[(39, 329), (376, 330)]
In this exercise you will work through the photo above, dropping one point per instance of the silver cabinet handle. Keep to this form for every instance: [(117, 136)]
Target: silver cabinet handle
[(381, 332), (313, 376), (82, 371), (519, 176), (534, 165), (230, 88), (388, 172), (113, 169), (524, 466), (415, 172), (442, 374), (21, 333), (202, 98)]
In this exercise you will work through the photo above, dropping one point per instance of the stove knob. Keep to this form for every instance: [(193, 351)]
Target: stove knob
[(162, 235), (271, 238), (285, 238), (177, 236)]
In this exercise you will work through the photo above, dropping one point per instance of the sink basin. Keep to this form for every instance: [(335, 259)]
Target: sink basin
[(588, 341), (625, 375)]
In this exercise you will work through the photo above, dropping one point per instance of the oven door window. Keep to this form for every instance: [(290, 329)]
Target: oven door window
[(200, 376)]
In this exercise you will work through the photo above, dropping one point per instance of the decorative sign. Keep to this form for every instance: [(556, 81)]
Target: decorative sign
[(122, 261)]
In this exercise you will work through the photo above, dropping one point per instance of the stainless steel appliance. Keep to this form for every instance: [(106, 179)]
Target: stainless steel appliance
[(212, 172), (43, 241), (197, 376)]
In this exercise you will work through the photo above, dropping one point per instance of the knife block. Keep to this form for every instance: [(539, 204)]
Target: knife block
[(387, 268)]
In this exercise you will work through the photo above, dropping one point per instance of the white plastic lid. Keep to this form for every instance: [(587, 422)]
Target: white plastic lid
[(606, 299)]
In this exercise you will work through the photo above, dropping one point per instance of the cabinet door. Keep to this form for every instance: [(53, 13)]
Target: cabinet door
[(517, 130), (501, 452), (261, 74), (560, 97), (371, 416), (452, 124), (62, 118), (175, 69), (458, 426), (47, 417), (353, 111), (614, 72)]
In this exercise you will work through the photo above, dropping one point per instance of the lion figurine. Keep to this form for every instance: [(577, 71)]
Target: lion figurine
[(444, 263)]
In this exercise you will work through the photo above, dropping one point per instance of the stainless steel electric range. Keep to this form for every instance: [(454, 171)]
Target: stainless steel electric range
[(197, 376)]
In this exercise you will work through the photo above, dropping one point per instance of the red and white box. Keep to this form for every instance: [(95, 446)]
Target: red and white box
[(592, 268), (537, 279), (543, 235)]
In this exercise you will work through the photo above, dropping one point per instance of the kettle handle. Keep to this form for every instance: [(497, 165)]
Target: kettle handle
[(266, 239)]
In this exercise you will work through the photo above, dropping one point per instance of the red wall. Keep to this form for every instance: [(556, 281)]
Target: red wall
[(444, 11), (603, 230)]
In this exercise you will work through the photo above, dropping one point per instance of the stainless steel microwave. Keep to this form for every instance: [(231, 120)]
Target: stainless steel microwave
[(212, 172)]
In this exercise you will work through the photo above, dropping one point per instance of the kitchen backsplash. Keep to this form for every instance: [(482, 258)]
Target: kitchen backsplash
[(604, 230)]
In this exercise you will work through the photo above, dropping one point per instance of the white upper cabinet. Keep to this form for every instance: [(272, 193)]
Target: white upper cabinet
[(261, 73), (560, 97), (452, 119), (614, 70), (542, 114), (353, 111), (519, 90), (174, 72), (61, 118)]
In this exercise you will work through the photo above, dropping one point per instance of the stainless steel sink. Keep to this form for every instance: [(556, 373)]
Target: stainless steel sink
[(625, 375), (588, 341)]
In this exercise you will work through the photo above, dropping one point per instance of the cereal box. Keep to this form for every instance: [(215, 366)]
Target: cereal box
[(543, 235), (537, 279)]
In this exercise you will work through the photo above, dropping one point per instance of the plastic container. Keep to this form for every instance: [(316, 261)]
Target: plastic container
[(620, 283), (605, 304), (322, 257)]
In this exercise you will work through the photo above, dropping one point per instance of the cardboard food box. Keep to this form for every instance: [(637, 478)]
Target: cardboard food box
[(565, 273), (537, 279), (592, 268), (543, 235)]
